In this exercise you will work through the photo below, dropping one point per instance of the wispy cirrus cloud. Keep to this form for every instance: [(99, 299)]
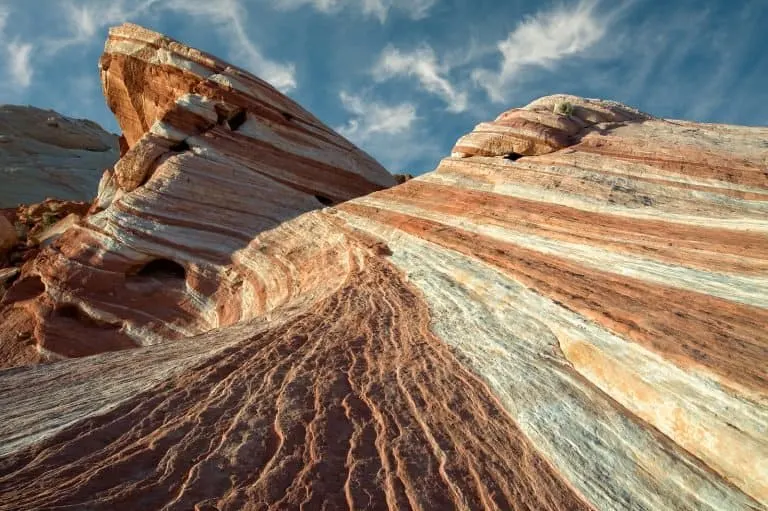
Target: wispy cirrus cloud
[(370, 117), (18, 62), (542, 40), (17, 55), (414, 9), (392, 133), (423, 65), (84, 18), (230, 17)]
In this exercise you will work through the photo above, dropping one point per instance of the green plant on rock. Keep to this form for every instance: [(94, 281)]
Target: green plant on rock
[(564, 108), (49, 219)]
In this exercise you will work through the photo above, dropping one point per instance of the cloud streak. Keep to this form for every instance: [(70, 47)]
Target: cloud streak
[(228, 17), (17, 55), (421, 64), (543, 40), (391, 133), (375, 118), (380, 9), (19, 63)]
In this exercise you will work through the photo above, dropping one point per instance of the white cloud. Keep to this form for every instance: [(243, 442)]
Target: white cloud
[(281, 75), (542, 40), (82, 19), (86, 18), (18, 62), (4, 13), (421, 64), (375, 118), (17, 56), (390, 133), (414, 9)]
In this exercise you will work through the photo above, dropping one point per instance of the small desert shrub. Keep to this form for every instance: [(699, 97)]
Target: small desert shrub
[(402, 178), (564, 108), (49, 219)]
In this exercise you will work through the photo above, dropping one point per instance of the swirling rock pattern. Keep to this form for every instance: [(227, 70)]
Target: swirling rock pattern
[(569, 313), (212, 157)]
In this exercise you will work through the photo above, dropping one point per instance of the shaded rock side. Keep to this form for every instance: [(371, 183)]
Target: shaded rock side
[(8, 237), (45, 154), (580, 327)]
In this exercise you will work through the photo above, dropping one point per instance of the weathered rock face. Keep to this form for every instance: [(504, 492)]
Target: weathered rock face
[(581, 328), (214, 156), (538, 128), (45, 154), (170, 100)]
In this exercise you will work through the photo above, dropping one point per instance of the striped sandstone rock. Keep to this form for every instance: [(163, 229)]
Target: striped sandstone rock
[(569, 313)]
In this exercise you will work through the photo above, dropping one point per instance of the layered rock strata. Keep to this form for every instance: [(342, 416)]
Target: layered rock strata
[(567, 314), (212, 157), (45, 154)]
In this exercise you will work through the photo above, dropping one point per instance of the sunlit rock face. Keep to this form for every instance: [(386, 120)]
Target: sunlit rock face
[(570, 313), (45, 154), (212, 156)]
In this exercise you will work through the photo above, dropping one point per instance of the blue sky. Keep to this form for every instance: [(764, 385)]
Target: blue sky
[(405, 78)]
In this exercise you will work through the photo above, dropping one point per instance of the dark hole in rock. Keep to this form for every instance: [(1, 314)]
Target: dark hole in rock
[(288, 117), (383, 249), (513, 156), (237, 120), (221, 114), (325, 201), (180, 147), (123, 143), (163, 268), (70, 311), (24, 289)]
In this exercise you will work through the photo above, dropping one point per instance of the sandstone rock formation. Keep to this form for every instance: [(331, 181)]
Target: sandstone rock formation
[(8, 236), (569, 313), (213, 156), (45, 154), (25, 228)]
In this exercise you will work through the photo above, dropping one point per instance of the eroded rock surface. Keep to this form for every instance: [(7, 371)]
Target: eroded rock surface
[(568, 314), (44, 154), (212, 157)]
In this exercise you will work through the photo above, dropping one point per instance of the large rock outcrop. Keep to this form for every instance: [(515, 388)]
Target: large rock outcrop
[(212, 157), (45, 154), (568, 314)]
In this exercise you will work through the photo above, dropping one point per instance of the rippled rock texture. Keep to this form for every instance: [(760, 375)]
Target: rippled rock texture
[(45, 154), (569, 313)]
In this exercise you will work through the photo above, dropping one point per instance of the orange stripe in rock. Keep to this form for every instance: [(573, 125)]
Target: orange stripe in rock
[(692, 246), (692, 329)]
